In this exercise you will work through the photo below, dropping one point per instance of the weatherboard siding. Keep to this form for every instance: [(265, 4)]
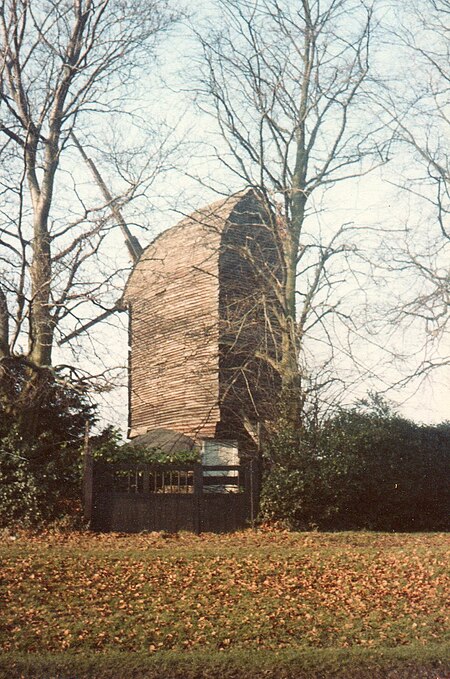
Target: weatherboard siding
[(174, 380), (186, 296)]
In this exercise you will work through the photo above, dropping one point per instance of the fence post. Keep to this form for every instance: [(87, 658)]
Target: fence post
[(198, 498), (88, 477), (252, 497), (146, 480)]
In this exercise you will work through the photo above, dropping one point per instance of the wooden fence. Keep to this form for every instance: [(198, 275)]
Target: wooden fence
[(162, 497)]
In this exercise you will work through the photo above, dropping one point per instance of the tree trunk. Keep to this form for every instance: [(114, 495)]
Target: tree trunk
[(41, 324), (4, 326), (291, 392)]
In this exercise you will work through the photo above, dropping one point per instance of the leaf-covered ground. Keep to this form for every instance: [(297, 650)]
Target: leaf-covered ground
[(85, 594)]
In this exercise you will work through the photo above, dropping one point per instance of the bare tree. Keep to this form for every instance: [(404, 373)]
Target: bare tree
[(62, 65), (420, 120), (287, 83)]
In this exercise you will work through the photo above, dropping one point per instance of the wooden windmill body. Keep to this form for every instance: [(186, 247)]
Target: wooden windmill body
[(201, 325)]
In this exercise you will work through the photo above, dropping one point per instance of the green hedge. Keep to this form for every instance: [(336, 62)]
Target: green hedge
[(362, 469)]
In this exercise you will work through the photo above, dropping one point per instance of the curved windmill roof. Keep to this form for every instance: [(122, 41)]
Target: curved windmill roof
[(193, 242)]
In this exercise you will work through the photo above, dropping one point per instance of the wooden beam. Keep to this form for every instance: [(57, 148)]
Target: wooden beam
[(132, 243)]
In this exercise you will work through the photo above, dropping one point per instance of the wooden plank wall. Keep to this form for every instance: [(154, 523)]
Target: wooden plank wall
[(174, 298), (139, 508), (248, 267)]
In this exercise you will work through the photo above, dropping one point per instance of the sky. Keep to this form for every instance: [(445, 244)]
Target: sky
[(385, 215)]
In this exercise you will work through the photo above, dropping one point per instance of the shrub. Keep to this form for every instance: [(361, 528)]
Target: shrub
[(20, 494), (40, 451), (364, 468), (108, 448)]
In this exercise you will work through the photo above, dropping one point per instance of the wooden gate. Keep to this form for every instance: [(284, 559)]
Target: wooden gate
[(153, 497)]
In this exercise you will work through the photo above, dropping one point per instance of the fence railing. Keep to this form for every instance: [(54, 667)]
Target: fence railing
[(168, 478), (137, 496)]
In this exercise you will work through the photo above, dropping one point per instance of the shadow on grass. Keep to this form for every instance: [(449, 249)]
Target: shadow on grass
[(406, 662)]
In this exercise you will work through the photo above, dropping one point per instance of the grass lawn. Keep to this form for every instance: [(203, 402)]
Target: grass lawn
[(249, 604)]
